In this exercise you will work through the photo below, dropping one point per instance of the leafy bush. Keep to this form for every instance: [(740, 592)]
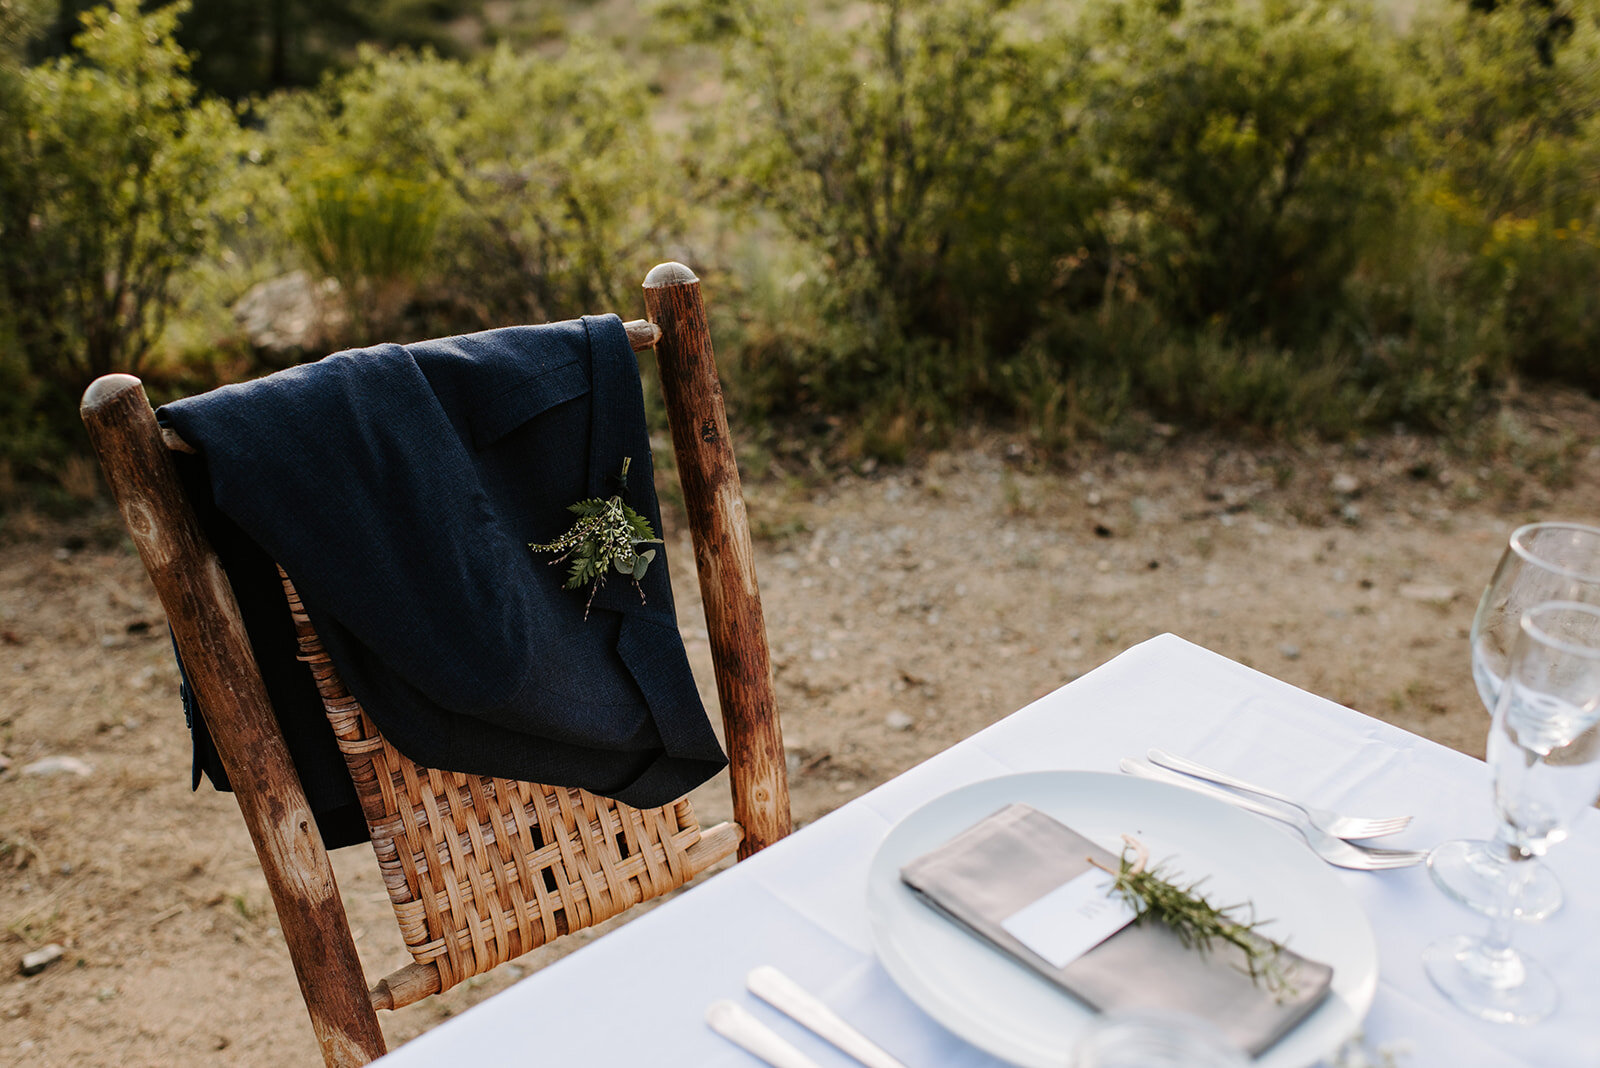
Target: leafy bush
[(983, 198), (1507, 156), (917, 157), (243, 48), (1253, 144), (543, 175), (109, 176)]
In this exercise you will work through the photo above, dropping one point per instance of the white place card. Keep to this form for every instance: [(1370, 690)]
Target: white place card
[(1072, 919)]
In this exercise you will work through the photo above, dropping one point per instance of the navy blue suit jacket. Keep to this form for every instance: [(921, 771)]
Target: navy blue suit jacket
[(399, 487)]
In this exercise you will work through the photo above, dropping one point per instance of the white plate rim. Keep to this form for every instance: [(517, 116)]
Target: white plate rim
[(891, 905)]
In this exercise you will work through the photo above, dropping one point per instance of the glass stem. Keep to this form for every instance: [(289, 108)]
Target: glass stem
[(1504, 845), (1502, 920)]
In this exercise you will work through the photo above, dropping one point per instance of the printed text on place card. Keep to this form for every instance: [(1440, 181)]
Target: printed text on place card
[(1072, 919)]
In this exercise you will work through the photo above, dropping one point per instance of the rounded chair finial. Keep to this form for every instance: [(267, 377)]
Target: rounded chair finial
[(671, 273), (103, 389)]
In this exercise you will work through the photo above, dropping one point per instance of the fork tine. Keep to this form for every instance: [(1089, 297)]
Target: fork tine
[(1334, 823), (1396, 856), (1375, 828), (1379, 851)]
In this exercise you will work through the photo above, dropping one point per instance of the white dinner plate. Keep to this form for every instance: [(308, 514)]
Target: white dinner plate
[(1004, 1008)]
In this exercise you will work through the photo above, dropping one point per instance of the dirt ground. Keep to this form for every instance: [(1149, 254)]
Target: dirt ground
[(907, 608)]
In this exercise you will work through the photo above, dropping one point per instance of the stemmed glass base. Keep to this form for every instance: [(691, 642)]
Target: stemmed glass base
[(1496, 984), (1473, 873)]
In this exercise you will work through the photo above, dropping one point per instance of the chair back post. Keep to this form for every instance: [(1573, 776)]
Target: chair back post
[(208, 630), (724, 557)]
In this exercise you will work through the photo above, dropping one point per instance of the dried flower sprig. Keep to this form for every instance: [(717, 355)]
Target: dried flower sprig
[(606, 538), (1198, 923)]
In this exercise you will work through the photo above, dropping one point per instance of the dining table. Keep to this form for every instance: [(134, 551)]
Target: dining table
[(639, 994)]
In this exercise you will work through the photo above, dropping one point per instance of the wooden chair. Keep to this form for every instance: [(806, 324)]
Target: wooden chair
[(479, 870)]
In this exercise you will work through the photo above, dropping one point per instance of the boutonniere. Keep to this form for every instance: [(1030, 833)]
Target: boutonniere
[(607, 537), (1196, 921)]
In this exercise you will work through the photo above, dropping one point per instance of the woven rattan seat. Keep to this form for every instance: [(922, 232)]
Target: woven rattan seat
[(482, 870), (479, 870)]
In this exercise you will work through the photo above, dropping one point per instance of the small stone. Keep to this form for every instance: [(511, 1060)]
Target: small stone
[(898, 721), (1428, 594), (58, 765), (288, 316), (1346, 483), (40, 959), (1289, 651)]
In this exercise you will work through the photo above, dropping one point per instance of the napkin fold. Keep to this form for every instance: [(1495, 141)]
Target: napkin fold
[(1019, 854)]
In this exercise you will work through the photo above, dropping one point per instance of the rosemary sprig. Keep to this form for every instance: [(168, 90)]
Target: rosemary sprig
[(606, 538), (1198, 923)]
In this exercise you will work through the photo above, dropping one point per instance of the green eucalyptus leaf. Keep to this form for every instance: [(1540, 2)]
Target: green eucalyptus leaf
[(605, 538)]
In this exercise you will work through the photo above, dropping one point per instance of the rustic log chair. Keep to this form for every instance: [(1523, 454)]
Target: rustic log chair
[(479, 870)]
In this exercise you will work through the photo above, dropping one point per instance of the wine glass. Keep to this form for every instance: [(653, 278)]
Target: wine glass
[(1544, 762), (1542, 562)]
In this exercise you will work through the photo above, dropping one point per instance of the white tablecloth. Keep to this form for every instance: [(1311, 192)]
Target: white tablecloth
[(800, 904)]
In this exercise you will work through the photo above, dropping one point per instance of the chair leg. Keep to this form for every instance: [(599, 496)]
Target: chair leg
[(723, 555), (207, 628)]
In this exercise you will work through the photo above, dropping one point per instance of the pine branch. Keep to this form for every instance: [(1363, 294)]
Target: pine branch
[(1198, 923)]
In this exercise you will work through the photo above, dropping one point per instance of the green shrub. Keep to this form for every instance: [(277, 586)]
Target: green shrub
[(915, 153), (371, 232), (1507, 157), (109, 180), (1253, 140), (543, 173)]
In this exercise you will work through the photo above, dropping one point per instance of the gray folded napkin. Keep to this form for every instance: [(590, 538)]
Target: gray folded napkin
[(1016, 856)]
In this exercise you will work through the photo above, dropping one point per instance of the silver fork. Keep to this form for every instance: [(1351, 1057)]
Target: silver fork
[(1323, 820), (1335, 851)]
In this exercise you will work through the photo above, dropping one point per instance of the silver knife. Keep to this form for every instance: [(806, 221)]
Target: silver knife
[(734, 1023), (793, 1000)]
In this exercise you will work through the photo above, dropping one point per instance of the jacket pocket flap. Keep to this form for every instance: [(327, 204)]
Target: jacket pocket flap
[(495, 417)]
